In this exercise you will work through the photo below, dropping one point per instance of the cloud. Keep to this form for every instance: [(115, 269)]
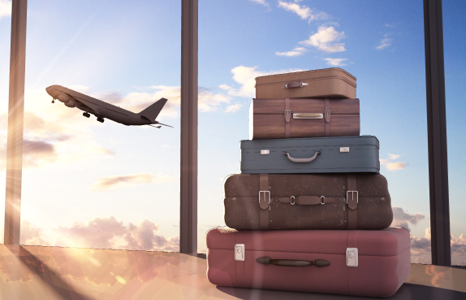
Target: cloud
[(5, 8), (295, 52), (303, 11), (114, 182), (35, 154), (263, 2), (48, 139), (402, 218), (384, 43), (208, 101), (109, 233), (391, 165), (394, 156), (396, 166), (103, 233), (233, 108), (336, 61), (421, 249), (324, 39)]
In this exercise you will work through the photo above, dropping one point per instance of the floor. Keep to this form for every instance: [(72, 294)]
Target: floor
[(37, 272)]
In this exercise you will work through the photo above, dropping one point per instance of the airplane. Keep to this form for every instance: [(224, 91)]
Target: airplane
[(102, 109)]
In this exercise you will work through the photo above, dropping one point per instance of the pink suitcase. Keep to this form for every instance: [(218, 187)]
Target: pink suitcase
[(371, 263)]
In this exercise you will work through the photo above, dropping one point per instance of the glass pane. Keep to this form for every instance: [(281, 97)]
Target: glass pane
[(454, 28), (93, 184), (5, 32), (380, 42)]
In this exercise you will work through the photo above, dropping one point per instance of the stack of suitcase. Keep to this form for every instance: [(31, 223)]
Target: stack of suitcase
[(310, 211)]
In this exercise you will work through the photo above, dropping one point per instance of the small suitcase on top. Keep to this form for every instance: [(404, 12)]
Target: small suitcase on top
[(349, 262), (307, 201), (348, 154), (333, 83), (303, 117)]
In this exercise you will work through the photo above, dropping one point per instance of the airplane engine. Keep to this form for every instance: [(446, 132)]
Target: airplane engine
[(70, 103), (64, 98)]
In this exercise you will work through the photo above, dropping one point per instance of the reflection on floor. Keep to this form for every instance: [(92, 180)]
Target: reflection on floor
[(36, 272)]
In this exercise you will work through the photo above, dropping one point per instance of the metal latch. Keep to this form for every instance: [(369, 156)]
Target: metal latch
[(351, 196), (239, 252), (287, 115), (264, 201), (351, 257), (265, 151)]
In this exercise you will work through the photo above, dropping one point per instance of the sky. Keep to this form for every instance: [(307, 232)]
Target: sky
[(87, 184)]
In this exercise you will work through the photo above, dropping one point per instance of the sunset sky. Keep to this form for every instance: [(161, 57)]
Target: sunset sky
[(87, 184)]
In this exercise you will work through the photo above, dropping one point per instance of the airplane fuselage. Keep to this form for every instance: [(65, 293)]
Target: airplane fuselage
[(96, 107)]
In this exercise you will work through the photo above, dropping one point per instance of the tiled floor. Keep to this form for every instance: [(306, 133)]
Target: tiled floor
[(35, 272)]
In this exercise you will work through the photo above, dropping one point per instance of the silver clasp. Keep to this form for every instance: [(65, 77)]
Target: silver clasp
[(266, 197), (327, 115), (287, 115), (292, 202), (352, 205), (352, 196), (322, 200)]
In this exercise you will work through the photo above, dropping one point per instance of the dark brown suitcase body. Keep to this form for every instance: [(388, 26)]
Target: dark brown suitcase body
[(299, 118), (307, 201)]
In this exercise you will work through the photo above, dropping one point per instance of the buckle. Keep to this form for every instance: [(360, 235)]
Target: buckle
[(328, 113), (266, 197), (287, 115), (352, 205)]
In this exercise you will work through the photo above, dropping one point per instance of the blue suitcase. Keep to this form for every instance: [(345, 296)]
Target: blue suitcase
[(347, 154)]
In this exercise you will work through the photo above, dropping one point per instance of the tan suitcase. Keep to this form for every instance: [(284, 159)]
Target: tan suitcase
[(300, 118), (325, 83)]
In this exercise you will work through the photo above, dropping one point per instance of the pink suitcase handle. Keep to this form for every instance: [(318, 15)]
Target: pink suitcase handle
[(294, 84), (302, 160), (292, 262)]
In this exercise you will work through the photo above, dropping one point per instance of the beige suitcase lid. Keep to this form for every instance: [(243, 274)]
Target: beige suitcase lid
[(304, 75)]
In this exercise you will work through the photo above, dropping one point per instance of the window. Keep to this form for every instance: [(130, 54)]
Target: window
[(88, 184)]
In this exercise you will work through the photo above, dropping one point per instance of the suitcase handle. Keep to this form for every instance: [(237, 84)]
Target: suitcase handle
[(294, 84), (292, 262), (302, 160), (312, 116)]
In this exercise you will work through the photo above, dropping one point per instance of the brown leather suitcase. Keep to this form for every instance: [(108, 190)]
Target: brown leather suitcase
[(330, 83), (307, 201), (301, 117)]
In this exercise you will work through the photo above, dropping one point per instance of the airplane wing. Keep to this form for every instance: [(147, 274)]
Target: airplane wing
[(83, 104)]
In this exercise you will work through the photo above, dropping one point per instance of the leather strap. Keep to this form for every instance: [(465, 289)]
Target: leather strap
[(239, 265), (351, 273), (264, 198), (327, 114), (287, 117), (352, 201), (306, 200)]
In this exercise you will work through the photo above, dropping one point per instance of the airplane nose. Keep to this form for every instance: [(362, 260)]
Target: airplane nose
[(49, 90)]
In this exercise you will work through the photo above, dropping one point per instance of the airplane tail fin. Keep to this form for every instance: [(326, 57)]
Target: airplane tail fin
[(152, 111)]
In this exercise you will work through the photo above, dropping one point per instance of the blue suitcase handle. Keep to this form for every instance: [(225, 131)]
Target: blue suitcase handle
[(302, 160)]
